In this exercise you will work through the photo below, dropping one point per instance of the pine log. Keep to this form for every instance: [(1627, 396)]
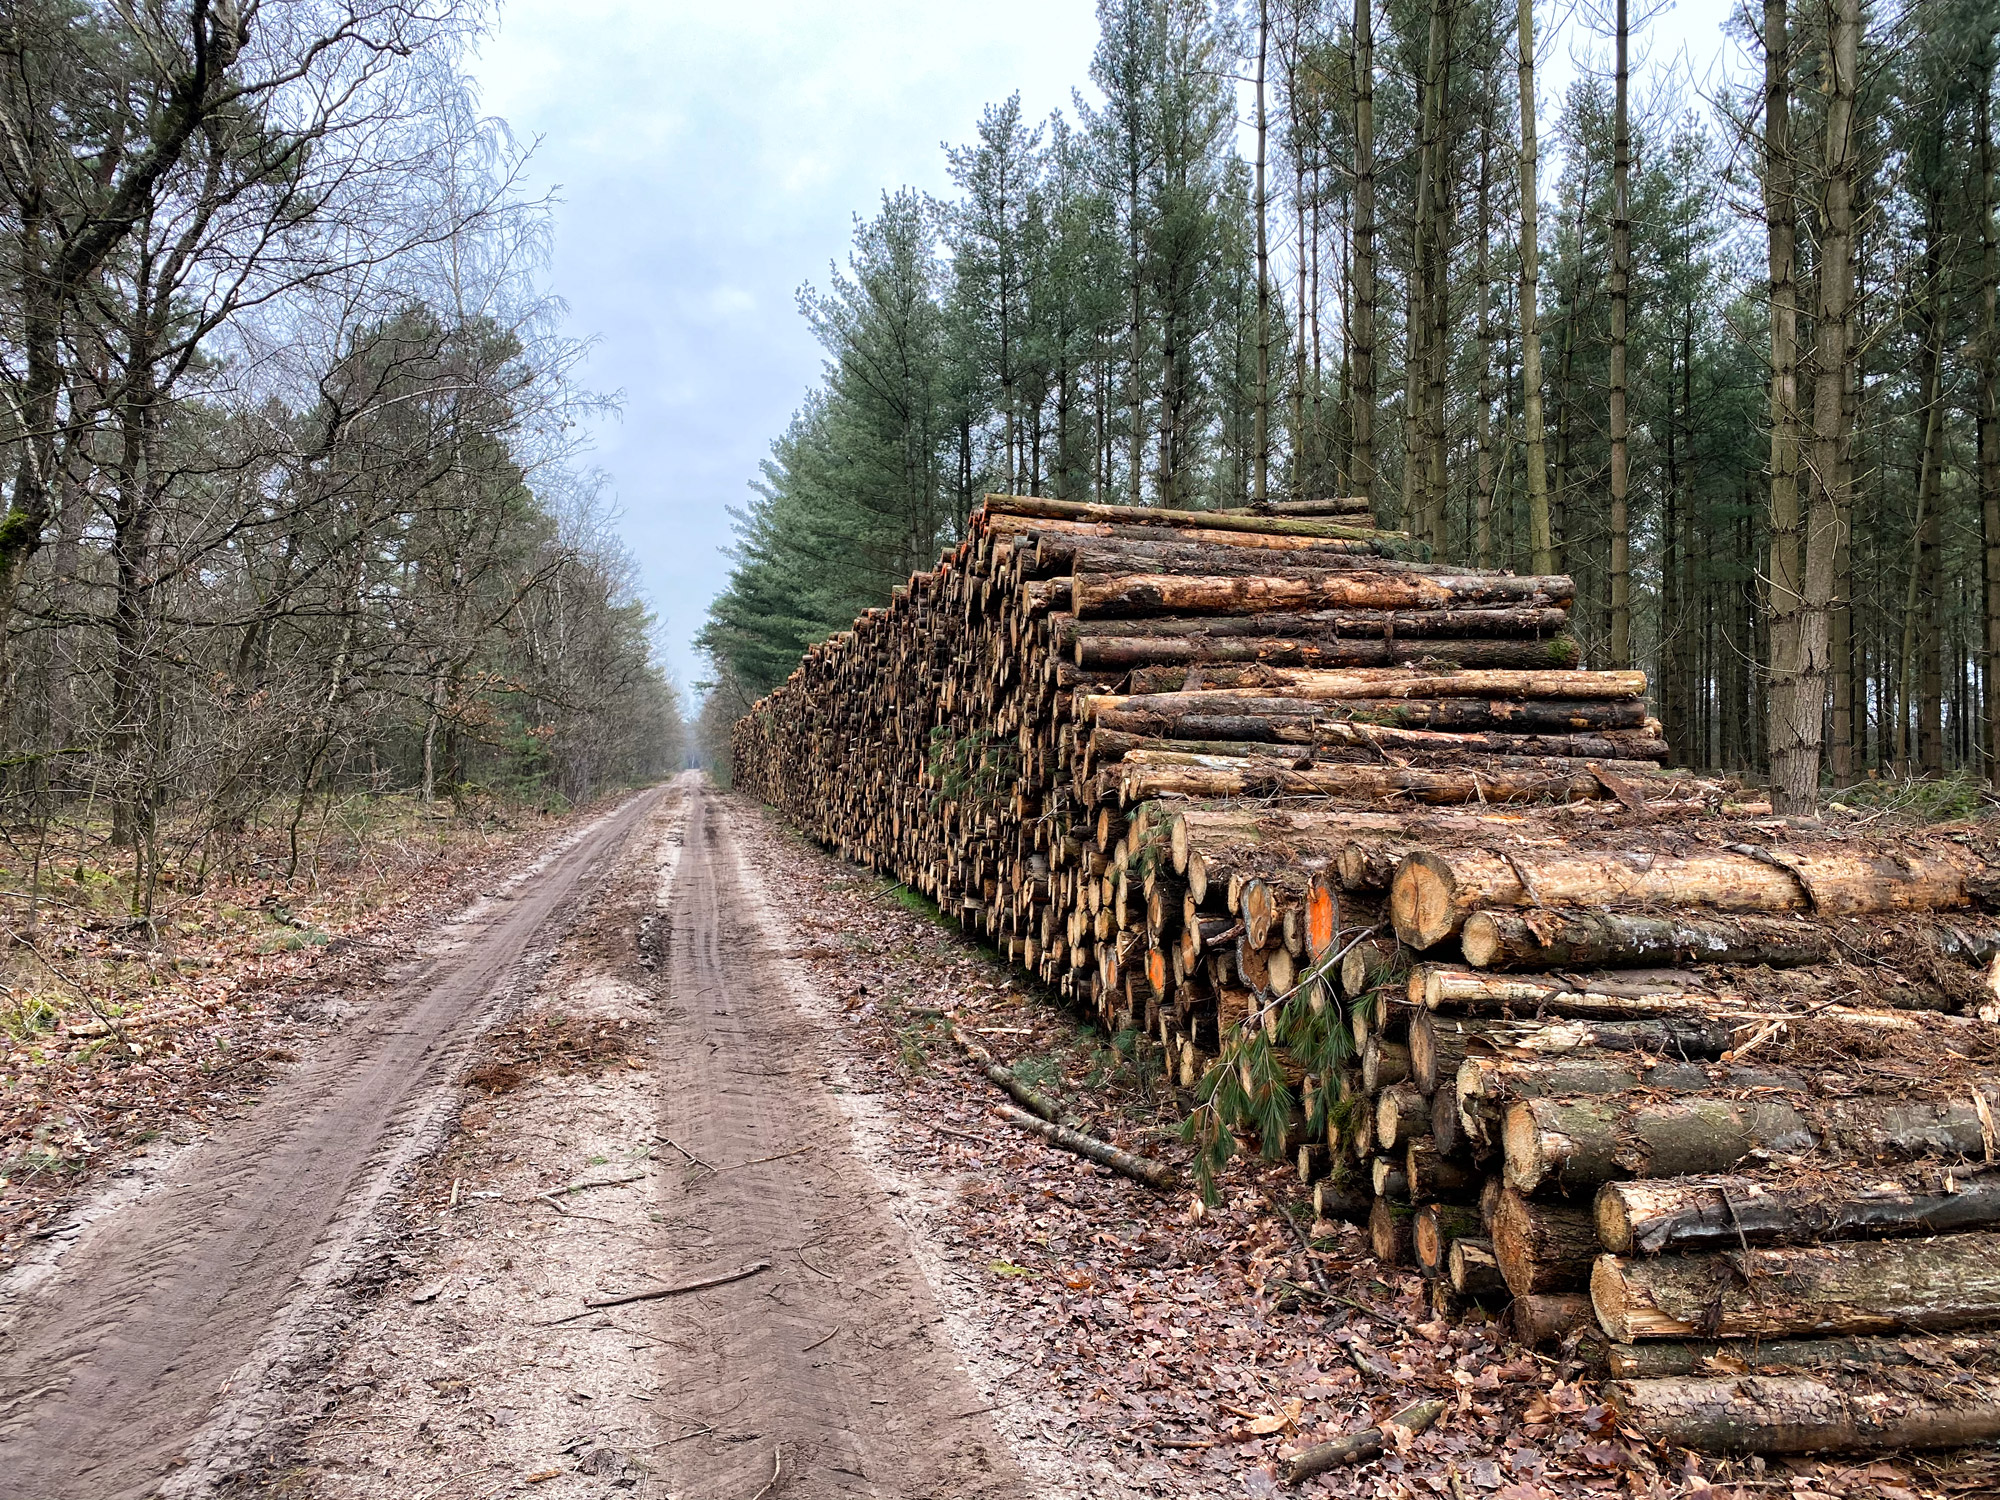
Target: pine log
[(1799, 1414), (1484, 1086), (1718, 1213), (1342, 1201), (1388, 1178), (1389, 1225), (1037, 507), (1435, 892), (1434, 1177), (1143, 776), (1384, 1063), (1407, 685), (1339, 624), (1434, 1227), (1099, 596), (1551, 1317), (1867, 1286), (1656, 1358), (1569, 939), (1437, 1046), (1126, 653), (1676, 1037), (1575, 1144), (1473, 1270), (1401, 1113), (1543, 1247)]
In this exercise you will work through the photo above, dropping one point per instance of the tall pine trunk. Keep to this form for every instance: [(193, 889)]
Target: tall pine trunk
[(1621, 277), (1794, 779), (1989, 420), (1535, 451), (1362, 418)]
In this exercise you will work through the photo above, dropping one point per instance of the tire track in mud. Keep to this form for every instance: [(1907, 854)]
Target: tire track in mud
[(110, 1365), (833, 1368)]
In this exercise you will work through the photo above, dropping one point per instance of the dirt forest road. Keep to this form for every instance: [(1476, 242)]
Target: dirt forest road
[(828, 1370), (108, 1365)]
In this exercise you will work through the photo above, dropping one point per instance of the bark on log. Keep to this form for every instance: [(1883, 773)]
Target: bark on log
[(1434, 1177), (1434, 1227), (1435, 892), (1126, 653), (1473, 1270), (1569, 939), (1799, 1414), (1718, 1213), (1576, 1144), (1384, 1063), (1342, 1200), (1400, 1113), (1869, 1286), (1389, 1231), (1100, 596), (1143, 776), (1551, 1317), (1665, 1357), (1543, 1247), (1484, 1086)]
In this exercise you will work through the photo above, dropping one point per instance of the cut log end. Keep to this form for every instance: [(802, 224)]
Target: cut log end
[(1420, 900)]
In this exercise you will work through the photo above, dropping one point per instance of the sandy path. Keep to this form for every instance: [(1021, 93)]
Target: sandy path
[(832, 1367), (110, 1365)]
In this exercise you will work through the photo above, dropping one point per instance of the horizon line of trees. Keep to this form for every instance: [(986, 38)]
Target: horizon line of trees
[(1731, 363), (293, 507)]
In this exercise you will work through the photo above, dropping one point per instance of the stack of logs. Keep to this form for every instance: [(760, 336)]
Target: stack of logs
[(1628, 1059)]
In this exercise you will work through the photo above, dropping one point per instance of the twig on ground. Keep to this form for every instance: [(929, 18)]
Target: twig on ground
[(598, 1304), (758, 1161), (777, 1472), (817, 1342), (693, 1160), (1305, 1244)]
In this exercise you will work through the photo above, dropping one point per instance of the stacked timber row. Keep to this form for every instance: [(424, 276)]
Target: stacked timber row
[(1352, 833)]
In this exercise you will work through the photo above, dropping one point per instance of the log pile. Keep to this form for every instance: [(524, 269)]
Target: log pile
[(1363, 855)]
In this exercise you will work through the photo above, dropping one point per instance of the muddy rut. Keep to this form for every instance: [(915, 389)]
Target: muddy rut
[(109, 1367), (831, 1370)]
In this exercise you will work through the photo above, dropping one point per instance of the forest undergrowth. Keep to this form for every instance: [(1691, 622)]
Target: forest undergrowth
[(119, 1030)]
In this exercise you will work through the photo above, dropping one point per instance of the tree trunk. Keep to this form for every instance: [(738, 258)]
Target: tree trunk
[(1260, 491), (1535, 456), (1793, 743), (1621, 275), (1989, 419), (1363, 355)]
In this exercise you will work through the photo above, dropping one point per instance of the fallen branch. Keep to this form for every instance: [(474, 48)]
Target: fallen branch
[(987, 1064), (693, 1160), (1360, 1447), (1154, 1174), (777, 1472), (597, 1304)]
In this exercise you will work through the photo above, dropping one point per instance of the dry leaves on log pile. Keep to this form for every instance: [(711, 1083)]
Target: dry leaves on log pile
[(1188, 1355)]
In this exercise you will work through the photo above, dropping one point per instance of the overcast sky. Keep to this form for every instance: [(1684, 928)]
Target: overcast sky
[(710, 159)]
